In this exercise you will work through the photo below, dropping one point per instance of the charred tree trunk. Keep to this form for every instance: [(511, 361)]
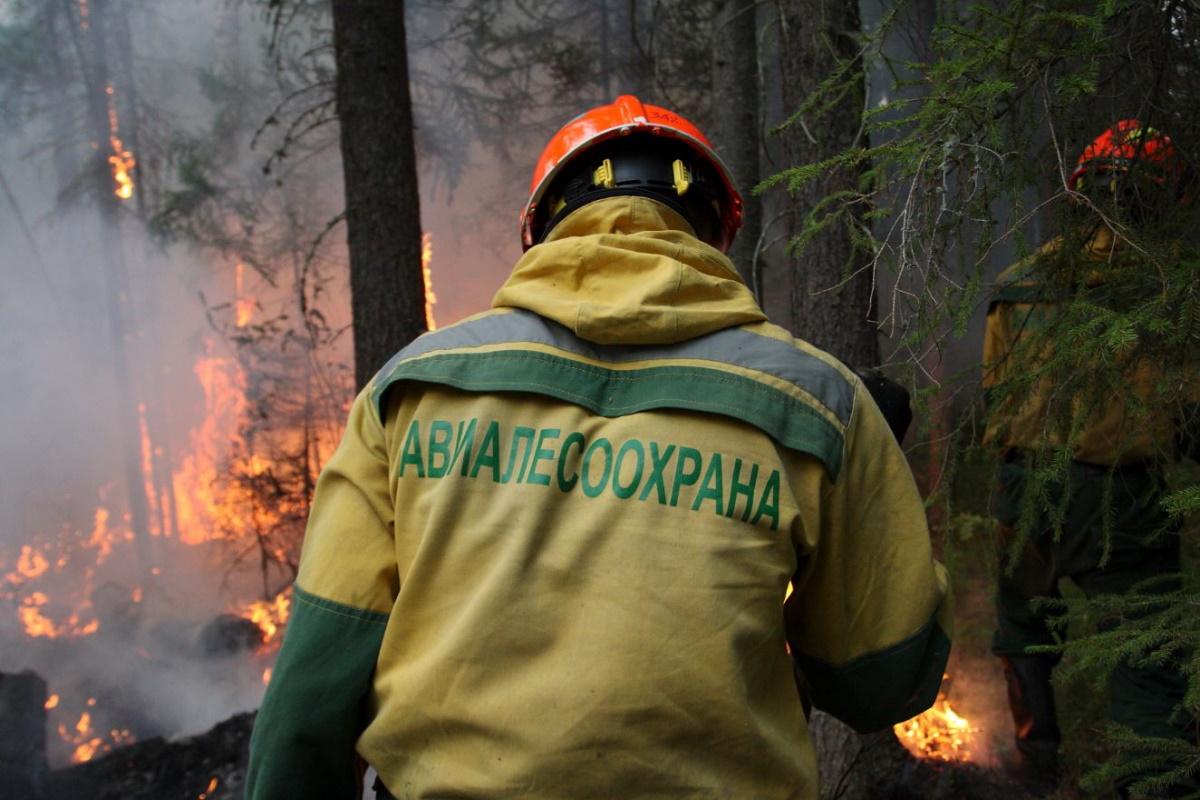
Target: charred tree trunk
[(93, 51), (736, 118), (831, 287), (162, 504), (383, 219), (22, 734)]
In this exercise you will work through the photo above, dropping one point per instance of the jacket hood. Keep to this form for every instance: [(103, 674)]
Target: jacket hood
[(629, 270)]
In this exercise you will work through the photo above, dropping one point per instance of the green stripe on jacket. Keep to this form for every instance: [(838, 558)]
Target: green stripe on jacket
[(304, 737), (879, 689), (617, 392)]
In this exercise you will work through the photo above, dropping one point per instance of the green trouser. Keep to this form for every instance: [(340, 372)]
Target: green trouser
[(1142, 546)]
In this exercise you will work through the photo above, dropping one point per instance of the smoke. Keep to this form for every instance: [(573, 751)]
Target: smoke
[(144, 634), (132, 629)]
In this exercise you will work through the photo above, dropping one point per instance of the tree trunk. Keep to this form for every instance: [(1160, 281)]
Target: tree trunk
[(735, 126), (98, 85), (634, 71), (831, 285), (824, 307), (383, 220)]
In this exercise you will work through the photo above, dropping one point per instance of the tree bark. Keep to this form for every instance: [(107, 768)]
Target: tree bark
[(634, 71), (383, 220), (736, 118), (98, 82), (831, 287)]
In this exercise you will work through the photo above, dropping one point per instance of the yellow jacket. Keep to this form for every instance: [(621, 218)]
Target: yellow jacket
[(549, 558), (1121, 424)]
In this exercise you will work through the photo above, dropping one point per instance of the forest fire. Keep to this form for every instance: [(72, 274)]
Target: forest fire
[(82, 580), (939, 734), (427, 275)]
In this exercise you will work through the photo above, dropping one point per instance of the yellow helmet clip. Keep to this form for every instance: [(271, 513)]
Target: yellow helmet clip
[(604, 175), (683, 178)]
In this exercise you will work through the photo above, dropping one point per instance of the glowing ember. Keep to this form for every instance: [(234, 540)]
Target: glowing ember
[(31, 617), (30, 565), (37, 625), (243, 304), (427, 275), (86, 742), (212, 786), (940, 733), (266, 676), (51, 702)]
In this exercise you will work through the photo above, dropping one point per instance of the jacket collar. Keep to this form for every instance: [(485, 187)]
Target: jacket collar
[(629, 270)]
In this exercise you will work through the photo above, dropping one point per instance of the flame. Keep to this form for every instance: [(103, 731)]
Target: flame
[(30, 614), (269, 615), (940, 733), (214, 480), (215, 498), (204, 512), (38, 626), (121, 160), (31, 564), (102, 539), (212, 786), (243, 304), (427, 276), (147, 453)]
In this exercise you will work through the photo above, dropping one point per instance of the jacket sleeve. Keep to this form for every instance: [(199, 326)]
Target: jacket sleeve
[(997, 341), (303, 745), (870, 620)]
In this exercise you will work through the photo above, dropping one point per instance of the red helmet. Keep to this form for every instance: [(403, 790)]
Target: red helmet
[(605, 124), (1124, 144)]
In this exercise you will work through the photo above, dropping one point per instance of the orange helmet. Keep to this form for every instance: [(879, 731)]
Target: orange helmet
[(1123, 145), (653, 129)]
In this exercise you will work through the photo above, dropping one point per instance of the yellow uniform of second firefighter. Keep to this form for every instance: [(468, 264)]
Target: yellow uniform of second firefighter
[(1101, 523), (549, 558)]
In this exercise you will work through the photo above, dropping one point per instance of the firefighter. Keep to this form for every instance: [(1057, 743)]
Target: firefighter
[(551, 554), (1118, 437)]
